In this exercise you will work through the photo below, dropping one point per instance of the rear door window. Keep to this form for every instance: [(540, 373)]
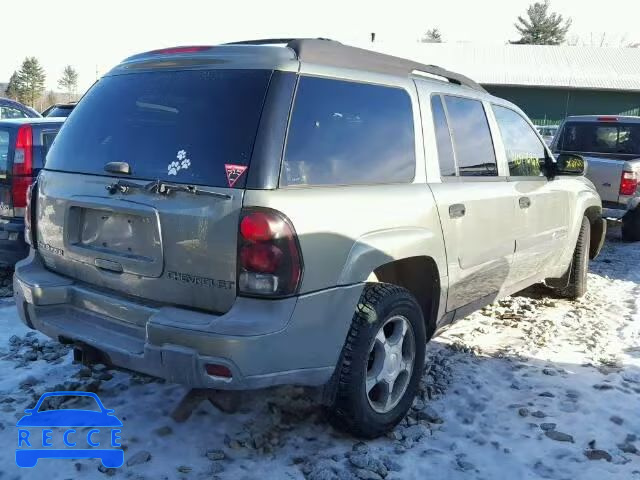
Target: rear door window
[(525, 152), (346, 133), (5, 140), (600, 137), (443, 138), (472, 140), (189, 126)]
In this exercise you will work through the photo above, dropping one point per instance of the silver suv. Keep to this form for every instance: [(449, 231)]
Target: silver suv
[(249, 215)]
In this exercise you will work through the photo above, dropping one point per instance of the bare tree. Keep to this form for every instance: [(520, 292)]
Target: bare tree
[(69, 81)]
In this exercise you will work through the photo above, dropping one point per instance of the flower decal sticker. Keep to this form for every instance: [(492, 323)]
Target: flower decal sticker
[(173, 168), (183, 163)]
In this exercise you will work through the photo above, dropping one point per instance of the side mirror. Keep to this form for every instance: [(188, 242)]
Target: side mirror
[(569, 164)]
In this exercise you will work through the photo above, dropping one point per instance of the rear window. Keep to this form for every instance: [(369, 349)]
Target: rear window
[(59, 112), (600, 138), (182, 127), (4, 152), (443, 139), (472, 140), (347, 133)]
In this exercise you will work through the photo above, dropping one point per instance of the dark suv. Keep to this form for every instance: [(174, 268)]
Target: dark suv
[(24, 143)]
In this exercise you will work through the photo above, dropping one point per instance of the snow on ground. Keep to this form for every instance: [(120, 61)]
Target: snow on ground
[(531, 387)]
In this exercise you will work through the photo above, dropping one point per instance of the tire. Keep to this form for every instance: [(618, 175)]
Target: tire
[(577, 285), (631, 226), (387, 334)]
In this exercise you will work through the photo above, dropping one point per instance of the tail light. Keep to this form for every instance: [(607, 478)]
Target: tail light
[(269, 260), (29, 214), (22, 168), (628, 183)]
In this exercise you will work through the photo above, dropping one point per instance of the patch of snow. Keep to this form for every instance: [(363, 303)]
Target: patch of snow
[(530, 387)]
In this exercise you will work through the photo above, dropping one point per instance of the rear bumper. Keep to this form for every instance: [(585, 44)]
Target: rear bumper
[(617, 211), (263, 342), (12, 244)]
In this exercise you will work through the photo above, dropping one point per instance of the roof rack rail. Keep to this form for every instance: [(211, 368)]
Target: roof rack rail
[(332, 53)]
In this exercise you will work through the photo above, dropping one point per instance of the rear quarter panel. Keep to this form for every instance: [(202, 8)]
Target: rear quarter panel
[(345, 233)]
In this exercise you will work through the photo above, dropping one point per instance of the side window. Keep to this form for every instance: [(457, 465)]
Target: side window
[(443, 138), (4, 152), (47, 140), (8, 112), (471, 137), (525, 152), (345, 133)]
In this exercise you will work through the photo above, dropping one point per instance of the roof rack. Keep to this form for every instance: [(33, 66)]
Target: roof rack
[(330, 52)]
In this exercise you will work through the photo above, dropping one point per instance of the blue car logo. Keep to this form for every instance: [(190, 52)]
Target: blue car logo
[(37, 439)]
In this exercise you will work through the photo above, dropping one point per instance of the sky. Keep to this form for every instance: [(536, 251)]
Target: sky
[(94, 36)]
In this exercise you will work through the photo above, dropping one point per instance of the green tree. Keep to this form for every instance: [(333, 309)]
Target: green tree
[(542, 27), (69, 81), (31, 78), (432, 36), (14, 89)]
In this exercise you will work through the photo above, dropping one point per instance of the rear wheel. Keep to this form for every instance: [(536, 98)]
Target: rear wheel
[(381, 362), (577, 285), (631, 226)]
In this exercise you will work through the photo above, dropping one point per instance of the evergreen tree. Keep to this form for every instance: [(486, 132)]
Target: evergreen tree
[(14, 88), (432, 36), (542, 27), (31, 78)]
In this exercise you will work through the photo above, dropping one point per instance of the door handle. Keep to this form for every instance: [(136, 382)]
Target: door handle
[(457, 210), (525, 202)]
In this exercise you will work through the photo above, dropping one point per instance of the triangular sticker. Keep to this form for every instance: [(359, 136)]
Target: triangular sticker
[(234, 172)]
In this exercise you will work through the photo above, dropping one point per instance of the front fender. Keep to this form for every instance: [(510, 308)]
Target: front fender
[(374, 249), (587, 200)]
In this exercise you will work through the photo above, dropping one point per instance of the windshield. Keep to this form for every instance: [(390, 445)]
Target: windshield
[(601, 138), (182, 126)]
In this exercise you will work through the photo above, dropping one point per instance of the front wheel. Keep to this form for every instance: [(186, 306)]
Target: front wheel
[(577, 285), (381, 363)]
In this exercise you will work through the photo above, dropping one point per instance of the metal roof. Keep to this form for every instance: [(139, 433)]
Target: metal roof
[(600, 68)]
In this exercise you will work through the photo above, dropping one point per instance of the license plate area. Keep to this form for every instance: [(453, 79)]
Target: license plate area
[(130, 238)]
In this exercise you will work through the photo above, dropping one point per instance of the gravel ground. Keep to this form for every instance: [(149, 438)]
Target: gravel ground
[(530, 387)]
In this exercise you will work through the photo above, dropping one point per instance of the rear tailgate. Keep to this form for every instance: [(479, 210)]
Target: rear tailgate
[(178, 249), (192, 130), (605, 173)]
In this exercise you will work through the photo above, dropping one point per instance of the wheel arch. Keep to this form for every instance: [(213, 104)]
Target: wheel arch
[(413, 258), (421, 277), (598, 230)]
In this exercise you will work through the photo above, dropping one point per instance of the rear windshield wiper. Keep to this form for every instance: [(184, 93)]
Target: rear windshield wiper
[(165, 188), (123, 186), (161, 188)]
